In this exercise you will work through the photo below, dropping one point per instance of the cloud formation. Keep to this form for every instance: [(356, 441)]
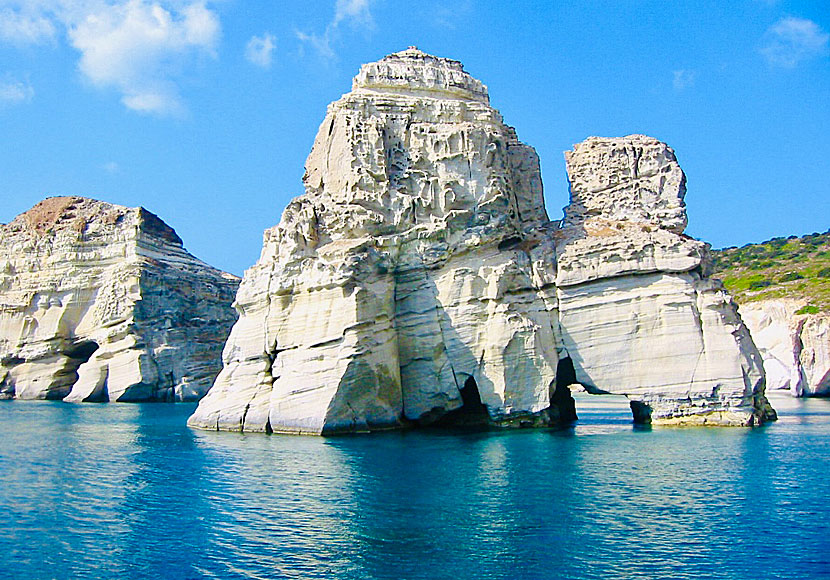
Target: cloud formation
[(260, 49), (683, 79), (15, 92), (792, 40), (354, 12), (24, 24), (138, 47)]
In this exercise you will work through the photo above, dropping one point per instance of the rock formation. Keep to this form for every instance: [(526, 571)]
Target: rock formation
[(795, 347), (638, 312), (100, 302), (416, 279)]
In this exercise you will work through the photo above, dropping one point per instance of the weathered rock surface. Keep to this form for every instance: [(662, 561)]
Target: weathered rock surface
[(638, 312), (795, 347), (416, 282), (100, 302)]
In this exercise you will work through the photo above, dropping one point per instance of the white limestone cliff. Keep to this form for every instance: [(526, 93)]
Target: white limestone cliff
[(795, 347), (415, 282), (100, 302), (638, 312)]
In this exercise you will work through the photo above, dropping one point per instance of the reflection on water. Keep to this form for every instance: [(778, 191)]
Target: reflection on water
[(127, 491)]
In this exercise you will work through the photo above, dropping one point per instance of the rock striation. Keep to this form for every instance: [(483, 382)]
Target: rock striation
[(795, 347), (416, 280), (100, 302)]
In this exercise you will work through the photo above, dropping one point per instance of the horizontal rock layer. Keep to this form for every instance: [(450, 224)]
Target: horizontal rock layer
[(100, 302), (416, 280)]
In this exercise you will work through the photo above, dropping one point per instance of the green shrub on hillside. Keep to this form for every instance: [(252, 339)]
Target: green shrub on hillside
[(792, 267), (790, 276)]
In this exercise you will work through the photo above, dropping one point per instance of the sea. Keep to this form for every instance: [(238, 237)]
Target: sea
[(128, 491)]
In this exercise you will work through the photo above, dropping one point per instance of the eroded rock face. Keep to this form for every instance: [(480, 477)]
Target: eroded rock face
[(638, 312), (415, 281), (100, 302), (795, 347)]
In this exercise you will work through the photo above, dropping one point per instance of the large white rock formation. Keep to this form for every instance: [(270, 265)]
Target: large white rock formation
[(415, 281), (639, 314), (795, 347), (100, 302)]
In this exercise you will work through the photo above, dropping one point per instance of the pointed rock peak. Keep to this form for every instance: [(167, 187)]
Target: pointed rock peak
[(413, 70)]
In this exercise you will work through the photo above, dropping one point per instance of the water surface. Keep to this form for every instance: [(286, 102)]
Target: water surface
[(128, 491)]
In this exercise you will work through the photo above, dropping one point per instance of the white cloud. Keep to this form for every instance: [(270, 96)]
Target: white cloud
[(683, 79), (260, 50), (22, 25), (15, 92), (138, 47), (321, 42), (111, 167), (793, 40), (354, 12)]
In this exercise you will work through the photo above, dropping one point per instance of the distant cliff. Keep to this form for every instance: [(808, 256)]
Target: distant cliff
[(783, 287), (100, 302), (419, 280)]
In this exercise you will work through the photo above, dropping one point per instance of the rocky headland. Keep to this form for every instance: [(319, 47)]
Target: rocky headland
[(783, 287), (419, 281), (100, 302)]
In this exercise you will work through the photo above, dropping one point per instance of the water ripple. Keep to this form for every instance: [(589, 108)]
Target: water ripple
[(127, 491)]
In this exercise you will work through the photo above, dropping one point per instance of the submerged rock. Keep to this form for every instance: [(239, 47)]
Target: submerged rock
[(100, 302), (795, 347), (415, 282)]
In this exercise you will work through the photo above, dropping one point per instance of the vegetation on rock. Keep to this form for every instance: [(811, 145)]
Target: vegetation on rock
[(779, 268)]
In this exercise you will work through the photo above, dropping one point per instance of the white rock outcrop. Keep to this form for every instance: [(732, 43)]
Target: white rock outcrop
[(415, 281), (100, 302), (795, 347), (638, 312)]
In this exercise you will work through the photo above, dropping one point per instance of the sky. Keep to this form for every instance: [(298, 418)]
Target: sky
[(203, 112)]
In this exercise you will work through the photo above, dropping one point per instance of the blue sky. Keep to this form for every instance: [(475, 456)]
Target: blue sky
[(204, 112)]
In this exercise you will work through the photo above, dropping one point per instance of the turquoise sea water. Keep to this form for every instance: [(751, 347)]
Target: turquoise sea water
[(128, 491)]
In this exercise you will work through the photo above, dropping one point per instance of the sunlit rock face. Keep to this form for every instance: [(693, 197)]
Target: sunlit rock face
[(417, 259), (795, 347), (638, 312), (100, 302), (415, 280)]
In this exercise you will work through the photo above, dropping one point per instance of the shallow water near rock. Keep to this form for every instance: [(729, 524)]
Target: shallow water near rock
[(128, 491)]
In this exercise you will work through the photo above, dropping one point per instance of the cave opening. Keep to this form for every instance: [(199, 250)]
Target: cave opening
[(82, 351), (597, 408), (561, 398), (472, 413), (77, 354)]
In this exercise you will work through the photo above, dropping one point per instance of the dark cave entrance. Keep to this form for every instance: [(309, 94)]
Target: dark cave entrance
[(561, 398), (472, 413), (77, 354), (82, 351)]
